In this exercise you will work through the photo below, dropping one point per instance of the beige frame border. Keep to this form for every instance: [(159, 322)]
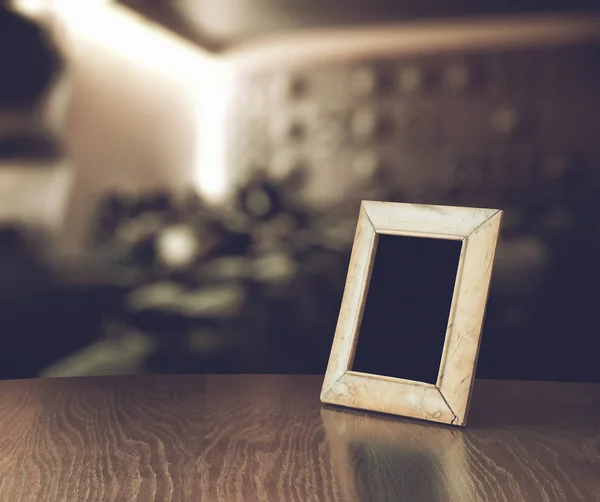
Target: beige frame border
[(448, 400)]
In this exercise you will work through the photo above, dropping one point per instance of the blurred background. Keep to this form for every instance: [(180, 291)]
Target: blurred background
[(180, 180)]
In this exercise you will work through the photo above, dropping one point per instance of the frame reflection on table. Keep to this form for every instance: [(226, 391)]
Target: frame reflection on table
[(395, 459)]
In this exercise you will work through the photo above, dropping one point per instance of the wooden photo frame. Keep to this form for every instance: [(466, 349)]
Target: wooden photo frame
[(447, 400)]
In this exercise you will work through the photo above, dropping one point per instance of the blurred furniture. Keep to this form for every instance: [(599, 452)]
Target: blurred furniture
[(260, 437), (35, 175), (37, 315)]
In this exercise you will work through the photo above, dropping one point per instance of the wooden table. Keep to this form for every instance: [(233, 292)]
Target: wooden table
[(254, 438)]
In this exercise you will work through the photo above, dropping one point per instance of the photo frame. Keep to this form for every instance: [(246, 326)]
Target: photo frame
[(446, 401)]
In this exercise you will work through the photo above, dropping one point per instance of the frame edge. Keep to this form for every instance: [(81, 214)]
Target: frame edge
[(457, 371), (351, 308)]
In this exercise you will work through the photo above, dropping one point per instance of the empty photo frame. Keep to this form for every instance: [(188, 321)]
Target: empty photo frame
[(417, 271)]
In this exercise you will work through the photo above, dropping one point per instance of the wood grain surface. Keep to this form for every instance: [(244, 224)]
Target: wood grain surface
[(255, 438)]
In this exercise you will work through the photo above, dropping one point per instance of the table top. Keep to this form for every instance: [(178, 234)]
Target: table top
[(267, 437)]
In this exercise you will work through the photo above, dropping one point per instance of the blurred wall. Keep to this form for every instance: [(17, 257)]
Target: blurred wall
[(130, 123), (507, 120)]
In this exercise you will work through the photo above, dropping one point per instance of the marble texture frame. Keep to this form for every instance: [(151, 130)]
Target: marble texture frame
[(448, 400)]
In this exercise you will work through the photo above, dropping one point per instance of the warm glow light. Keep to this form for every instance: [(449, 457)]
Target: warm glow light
[(211, 176), (31, 8), (116, 30), (38, 9)]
